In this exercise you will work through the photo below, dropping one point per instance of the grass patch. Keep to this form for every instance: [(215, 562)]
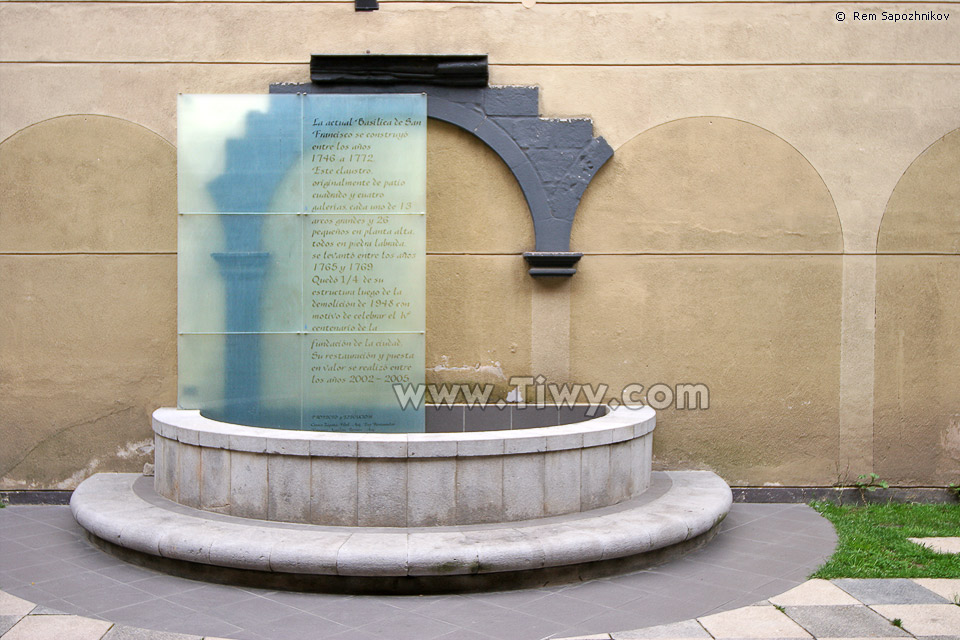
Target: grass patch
[(873, 540)]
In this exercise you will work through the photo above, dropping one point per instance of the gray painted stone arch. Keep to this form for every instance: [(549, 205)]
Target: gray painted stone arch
[(553, 160)]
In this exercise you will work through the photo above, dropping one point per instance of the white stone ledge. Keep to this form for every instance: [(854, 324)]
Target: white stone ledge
[(112, 508), (395, 480), (189, 427)]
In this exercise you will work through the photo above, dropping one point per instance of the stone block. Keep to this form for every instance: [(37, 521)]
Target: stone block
[(316, 553), (384, 446), (248, 485), (561, 482), (481, 445), (568, 544), (214, 439), (215, 479), (188, 436), (438, 445), (523, 492), (249, 444), (622, 471), (243, 549), (479, 489), (166, 455), (441, 553), (594, 477), (190, 542), (509, 550), (432, 492), (642, 463), (382, 492), (189, 475), (523, 443), (334, 445), (288, 488), (380, 554), (561, 441), (289, 446), (333, 496)]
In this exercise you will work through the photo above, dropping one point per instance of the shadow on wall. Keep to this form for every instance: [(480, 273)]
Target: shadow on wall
[(88, 320), (713, 255), (917, 357)]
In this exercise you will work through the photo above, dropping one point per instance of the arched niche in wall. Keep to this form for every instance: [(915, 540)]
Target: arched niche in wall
[(88, 324), (478, 291), (553, 160), (713, 256), (917, 356)]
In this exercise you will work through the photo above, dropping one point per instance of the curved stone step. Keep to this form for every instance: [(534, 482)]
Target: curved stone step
[(125, 516)]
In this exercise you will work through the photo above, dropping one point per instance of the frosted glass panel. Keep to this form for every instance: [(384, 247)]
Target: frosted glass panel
[(365, 154), (243, 378), (364, 272), (350, 378), (302, 259), (222, 289), (238, 153)]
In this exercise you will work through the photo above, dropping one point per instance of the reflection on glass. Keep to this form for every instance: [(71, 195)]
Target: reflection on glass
[(223, 290), (364, 273), (238, 153), (243, 378), (350, 380), (364, 154), (302, 258)]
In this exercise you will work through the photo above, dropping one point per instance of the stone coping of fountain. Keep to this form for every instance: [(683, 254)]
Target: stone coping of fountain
[(189, 427), (401, 480), (123, 515)]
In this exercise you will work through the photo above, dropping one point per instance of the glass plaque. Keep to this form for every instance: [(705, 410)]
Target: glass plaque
[(301, 266)]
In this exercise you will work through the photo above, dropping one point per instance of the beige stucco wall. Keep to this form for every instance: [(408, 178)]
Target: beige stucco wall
[(757, 231)]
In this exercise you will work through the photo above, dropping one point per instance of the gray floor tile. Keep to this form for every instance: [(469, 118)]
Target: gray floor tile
[(605, 593), (352, 634), (898, 591), (564, 609), (163, 586), (297, 626), (405, 625), (208, 597), (704, 581), (358, 611), (6, 622), (84, 581), (206, 625), (123, 632), (118, 595), (843, 621)]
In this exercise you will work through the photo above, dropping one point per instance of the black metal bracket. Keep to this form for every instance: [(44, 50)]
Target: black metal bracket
[(373, 69), (365, 5), (552, 263)]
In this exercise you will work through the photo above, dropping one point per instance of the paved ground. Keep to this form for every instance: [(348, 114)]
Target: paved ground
[(762, 551), (862, 609)]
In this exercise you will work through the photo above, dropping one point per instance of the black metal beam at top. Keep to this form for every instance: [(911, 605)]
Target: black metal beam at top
[(375, 69)]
